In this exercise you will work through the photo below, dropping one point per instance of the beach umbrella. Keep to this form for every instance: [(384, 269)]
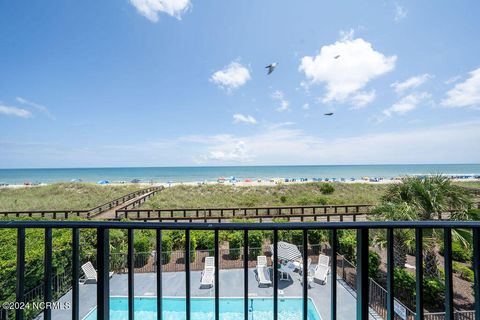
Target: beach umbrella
[(103, 182), (287, 251)]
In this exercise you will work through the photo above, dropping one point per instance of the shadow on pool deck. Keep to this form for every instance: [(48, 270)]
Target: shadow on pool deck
[(231, 285)]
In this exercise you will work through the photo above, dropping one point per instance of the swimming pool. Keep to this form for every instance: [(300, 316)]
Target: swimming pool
[(203, 309)]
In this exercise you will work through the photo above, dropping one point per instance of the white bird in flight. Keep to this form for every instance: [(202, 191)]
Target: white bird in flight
[(271, 67)]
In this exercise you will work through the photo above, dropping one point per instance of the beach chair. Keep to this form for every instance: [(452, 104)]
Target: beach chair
[(321, 270), (208, 273), (263, 272), (91, 273)]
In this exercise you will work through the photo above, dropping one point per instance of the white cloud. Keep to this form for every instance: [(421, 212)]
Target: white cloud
[(37, 106), (400, 13), (280, 97), (306, 106), (452, 79), (358, 63), (14, 111), (240, 118), (465, 94), (231, 77), (406, 104), (410, 83), (282, 145), (362, 99), (151, 8), (227, 153)]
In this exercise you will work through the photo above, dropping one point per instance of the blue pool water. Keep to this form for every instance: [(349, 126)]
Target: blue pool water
[(203, 309)]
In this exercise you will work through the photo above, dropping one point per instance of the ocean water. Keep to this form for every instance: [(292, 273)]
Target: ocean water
[(186, 174), (203, 309)]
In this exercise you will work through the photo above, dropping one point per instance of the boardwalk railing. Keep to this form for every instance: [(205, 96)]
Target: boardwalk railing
[(243, 212), (118, 201), (362, 282), (65, 214)]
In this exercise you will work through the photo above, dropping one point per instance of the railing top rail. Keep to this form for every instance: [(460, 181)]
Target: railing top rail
[(242, 226), (42, 211), (253, 216), (252, 208)]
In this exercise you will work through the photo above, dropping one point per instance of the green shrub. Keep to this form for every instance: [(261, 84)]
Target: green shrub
[(177, 236), (167, 247), (459, 252), (433, 292), (283, 199), (463, 271), (474, 214), (347, 240), (327, 188), (205, 240), (235, 241), (315, 237), (304, 201), (373, 264), (320, 200), (255, 242)]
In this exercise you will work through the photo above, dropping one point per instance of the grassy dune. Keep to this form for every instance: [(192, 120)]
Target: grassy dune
[(60, 196), (292, 194), (471, 184)]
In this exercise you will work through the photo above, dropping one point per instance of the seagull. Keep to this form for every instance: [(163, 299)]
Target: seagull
[(337, 56), (328, 114), (271, 67)]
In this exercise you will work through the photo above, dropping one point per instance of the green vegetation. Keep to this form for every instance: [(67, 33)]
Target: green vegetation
[(211, 196), (426, 199), (470, 184), (61, 196)]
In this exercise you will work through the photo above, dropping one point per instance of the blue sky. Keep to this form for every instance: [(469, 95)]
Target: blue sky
[(183, 82)]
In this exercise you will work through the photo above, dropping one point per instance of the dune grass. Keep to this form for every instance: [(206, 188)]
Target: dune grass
[(61, 196), (211, 196), (470, 184)]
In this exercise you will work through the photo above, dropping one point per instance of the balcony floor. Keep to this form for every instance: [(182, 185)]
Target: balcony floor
[(231, 285)]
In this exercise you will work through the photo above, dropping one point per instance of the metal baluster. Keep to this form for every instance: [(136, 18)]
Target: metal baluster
[(20, 285), (159, 254), (333, 307), (187, 273), (245, 274), (390, 273), (476, 270), (131, 275), (103, 287), (275, 274), (75, 274), (47, 280), (362, 274), (305, 274), (448, 273), (419, 273), (217, 270)]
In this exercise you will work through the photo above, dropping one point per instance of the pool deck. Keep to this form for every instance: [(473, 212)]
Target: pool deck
[(231, 285)]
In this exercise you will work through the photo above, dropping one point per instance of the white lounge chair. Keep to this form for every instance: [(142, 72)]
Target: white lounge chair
[(263, 272), (91, 273), (321, 270), (208, 273)]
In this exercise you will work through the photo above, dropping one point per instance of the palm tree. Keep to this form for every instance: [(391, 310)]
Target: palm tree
[(427, 199), (402, 238)]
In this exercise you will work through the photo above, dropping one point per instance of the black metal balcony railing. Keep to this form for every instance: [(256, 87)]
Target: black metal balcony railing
[(362, 282)]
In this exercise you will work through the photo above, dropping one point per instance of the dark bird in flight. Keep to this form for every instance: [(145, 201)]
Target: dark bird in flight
[(337, 56), (271, 67), (328, 114)]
